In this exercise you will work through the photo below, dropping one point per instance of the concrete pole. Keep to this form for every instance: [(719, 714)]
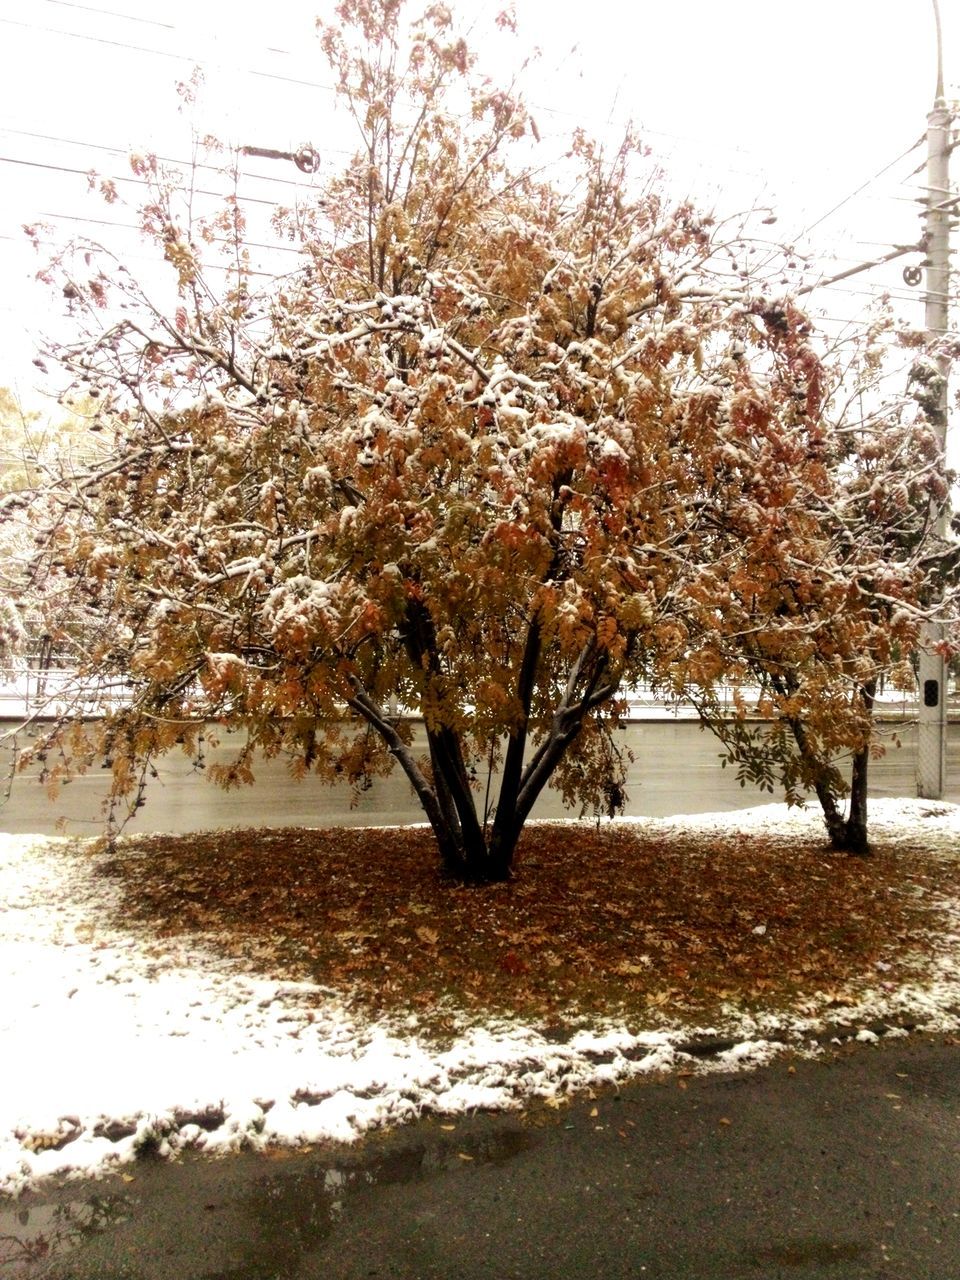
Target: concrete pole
[(932, 740)]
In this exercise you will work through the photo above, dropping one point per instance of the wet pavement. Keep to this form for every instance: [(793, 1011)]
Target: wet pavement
[(847, 1166)]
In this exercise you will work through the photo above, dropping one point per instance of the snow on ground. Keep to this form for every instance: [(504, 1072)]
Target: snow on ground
[(110, 1044)]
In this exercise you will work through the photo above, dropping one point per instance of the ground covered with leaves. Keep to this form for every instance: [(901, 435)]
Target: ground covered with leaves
[(607, 922)]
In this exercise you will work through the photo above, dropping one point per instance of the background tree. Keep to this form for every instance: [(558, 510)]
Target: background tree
[(15, 424), (848, 586), (499, 451), (37, 448)]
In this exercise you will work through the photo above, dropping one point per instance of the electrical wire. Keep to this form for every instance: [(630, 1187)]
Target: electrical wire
[(327, 88), (164, 53), (332, 90), (121, 151), (131, 226), (112, 13), (158, 261), (540, 107), (132, 17), (869, 182), (858, 266), (80, 35), (85, 173)]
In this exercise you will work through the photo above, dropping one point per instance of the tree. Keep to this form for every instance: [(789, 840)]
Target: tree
[(34, 449), (871, 569), (819, 659), (497, 452), (24, 442)]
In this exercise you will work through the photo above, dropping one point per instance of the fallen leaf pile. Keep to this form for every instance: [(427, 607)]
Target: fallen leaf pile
[(596, 922)]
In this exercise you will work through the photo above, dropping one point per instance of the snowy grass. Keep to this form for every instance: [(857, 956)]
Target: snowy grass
[(113, 1044)]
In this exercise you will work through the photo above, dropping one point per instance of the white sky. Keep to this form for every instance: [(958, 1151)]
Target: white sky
[(745, 101)]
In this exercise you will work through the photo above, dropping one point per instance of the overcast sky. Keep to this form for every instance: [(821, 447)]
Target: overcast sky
[(795, 106)]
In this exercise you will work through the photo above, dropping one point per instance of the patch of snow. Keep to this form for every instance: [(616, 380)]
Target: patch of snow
[(113, 1044)]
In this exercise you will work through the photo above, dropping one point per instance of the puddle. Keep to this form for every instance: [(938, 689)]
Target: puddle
[(801, 1253), (30, 1234), (296, 1212), (286, 1211), (316, 1199)]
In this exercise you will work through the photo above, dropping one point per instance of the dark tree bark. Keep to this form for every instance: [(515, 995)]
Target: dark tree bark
[(847, 834), (470, 850), (855, 837)]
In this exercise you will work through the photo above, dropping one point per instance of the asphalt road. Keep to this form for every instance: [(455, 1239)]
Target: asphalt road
[(848, 1166)]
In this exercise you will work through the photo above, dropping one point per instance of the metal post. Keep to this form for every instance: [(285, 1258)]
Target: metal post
[(932, 739)]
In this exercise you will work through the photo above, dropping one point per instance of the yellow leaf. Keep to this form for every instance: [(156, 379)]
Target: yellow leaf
[(427, 935)]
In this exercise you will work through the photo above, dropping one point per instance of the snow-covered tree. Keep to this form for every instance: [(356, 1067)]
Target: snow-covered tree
[(849, 575), (17, 446), (36, 449), (498, 451)]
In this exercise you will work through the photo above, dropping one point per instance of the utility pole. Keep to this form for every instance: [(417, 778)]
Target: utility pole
[(932, 739)]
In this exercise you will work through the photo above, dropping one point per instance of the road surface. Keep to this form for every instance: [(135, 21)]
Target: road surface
[(806, 1170)]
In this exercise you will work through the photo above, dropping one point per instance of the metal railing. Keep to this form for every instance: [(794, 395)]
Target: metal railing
[(28, 690), (31, 689)]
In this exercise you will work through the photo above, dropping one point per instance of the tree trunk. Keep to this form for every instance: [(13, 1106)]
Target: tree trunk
[(469, 852), (512, 775), (832, 817), (855, 834), (856, 839), (847, 834)]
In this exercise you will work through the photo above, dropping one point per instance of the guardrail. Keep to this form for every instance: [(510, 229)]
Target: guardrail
[(894, 705), (42, 691)]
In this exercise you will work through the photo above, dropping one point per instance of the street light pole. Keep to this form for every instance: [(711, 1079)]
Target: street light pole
[(932, 740)]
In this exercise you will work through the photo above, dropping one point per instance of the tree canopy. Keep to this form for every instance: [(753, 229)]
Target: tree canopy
[(503, 447)]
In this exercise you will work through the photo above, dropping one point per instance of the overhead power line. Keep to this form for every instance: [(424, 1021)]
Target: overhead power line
[(318, 85), (164, 53), (85, 173), (82, 35), (331, 89), (132, 226), (158, 261), (112, 13), (863, 186), (188, 164), (135, 17), (268, 178)]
